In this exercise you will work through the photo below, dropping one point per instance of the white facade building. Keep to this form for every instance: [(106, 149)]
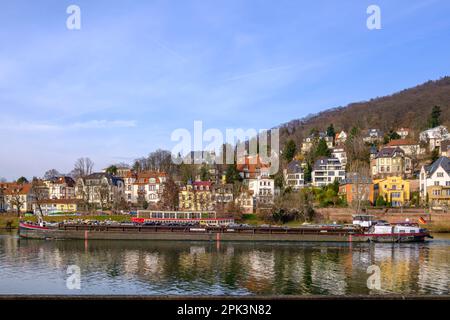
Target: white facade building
[(144, 186), (434, 136), (61, 188), (294, 175), (339, 153), (263, 189), (435, 180), (326, 171)]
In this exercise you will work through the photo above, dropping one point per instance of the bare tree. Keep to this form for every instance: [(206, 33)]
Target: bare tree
[(103, 194), (84, 193), (16, 200), (83, 167), (39, 193), (51, 174), (118, 201), (414, 155), (359, 175), (159, 160), (169, 196)]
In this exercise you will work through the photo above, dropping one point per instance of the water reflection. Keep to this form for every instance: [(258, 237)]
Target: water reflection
[(111, 267)]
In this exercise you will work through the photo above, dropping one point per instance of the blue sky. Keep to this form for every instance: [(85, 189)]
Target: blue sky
[(137, 70)]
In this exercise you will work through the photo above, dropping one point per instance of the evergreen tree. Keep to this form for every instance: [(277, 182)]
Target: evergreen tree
[(22, 180), (279, 181), (380, 202), (307, 172), (435, 119), (289, 150), (322, 149), (112, 170), (330, 131), (204, 173), (232, 174)]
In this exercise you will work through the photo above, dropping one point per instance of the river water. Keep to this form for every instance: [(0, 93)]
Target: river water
[(203, 268)]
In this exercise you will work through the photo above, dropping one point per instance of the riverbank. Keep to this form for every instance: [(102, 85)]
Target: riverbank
[(437, 222), (14, 220)]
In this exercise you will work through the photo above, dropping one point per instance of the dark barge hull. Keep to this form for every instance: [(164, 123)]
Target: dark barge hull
[(83, 232)]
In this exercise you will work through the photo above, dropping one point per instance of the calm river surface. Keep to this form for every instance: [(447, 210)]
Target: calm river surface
[(200, 268)]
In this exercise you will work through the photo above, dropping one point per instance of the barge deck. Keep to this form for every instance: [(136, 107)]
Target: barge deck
[(183, 233)]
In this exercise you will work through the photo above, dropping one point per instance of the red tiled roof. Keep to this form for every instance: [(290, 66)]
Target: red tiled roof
[(15, 188), (251, 164), (202, 183), (145, 174)]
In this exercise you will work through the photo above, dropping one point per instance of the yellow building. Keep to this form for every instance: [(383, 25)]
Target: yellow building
[(394, 190), (196, 196), (52, 206)]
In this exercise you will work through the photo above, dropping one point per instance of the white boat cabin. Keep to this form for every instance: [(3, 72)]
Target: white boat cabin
[(387, 228), (364, 220)]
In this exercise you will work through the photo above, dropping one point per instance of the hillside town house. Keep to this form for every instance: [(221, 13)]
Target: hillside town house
[(222, 194), (145, 186), (53, 206), (309, 141), (390, 162), (435, 182), (445, 148), (339, 153), (395, 190), (340, 138), (252, 167), (326, 171), (14, 194), (246, 202), (403, 132), (410, 147), (256, 177), (60, 188), (373, 136), (434, 137), (100, 189), (356, 188), (294, 175), (263, 189), (196, 196)]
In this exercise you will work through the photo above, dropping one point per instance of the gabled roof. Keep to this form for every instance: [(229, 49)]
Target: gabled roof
[(15, 188), (389, 152), (64, 180), (294, 166), (443, 162), (354, 177), (435, 133), (325, 161), (251, 164), (101, 175)]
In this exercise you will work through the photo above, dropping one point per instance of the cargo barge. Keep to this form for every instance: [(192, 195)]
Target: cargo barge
[(319, 233)]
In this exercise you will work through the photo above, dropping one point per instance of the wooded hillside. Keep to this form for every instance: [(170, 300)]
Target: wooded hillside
[(410, 108)]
